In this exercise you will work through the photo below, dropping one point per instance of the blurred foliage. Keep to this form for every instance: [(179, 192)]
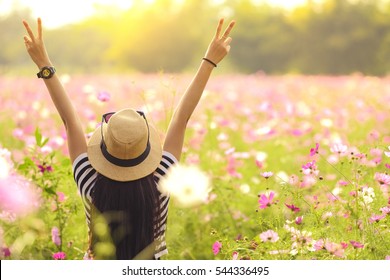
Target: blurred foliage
[(330, 37)]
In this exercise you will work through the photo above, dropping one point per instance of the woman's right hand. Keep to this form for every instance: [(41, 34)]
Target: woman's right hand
[(220, 45), (35, 46)]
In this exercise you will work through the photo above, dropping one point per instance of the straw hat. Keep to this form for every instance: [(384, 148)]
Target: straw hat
[(125, 153)]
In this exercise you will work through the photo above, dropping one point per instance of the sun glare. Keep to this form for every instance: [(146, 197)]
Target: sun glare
[(58, 13)]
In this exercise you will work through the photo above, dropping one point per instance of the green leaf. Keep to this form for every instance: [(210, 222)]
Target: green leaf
[(39, 138)]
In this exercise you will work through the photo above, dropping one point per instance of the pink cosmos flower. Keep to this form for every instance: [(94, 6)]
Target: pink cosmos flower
[(344, 245), (314, 151), (103, 96), (267, 174), (334, 249), (60, 197), (382, 178), (356, 244), (55, 236), (385, 210), (310, 168), (217, 247), (387, 165), (343, 183), (259, 163), (59, 256), (270, 236), (319, 245), (232, 167), (310, 165), (266, 201), (338, 148), (235, 255), (18, 196), (387, 257), (376, 218), (293, 208)]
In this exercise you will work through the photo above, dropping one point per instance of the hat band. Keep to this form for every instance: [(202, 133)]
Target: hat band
[(124, 162)]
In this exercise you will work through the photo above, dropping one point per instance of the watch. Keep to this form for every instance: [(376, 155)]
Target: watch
[(46, 72)]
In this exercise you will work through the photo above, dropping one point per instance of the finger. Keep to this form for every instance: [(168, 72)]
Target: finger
[(29, 31), (228, 40), (228, 29), (219, 28), (26, 39), (39, 28)]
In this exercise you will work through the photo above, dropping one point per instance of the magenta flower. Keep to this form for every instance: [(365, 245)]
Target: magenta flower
[(55, 236), (103, 96), (299, 220), (45, 168), (269, 235), (217, 247), (314, 151), (387, 165), (356, 244), (266, 201), (5, 251), (59, 256), (293, 208), (267, 174)]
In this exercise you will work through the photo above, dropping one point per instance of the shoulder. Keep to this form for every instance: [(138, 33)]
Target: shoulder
[(167, 161), (82, 168)]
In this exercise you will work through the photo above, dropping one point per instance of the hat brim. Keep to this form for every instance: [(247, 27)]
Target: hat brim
[(119, 173)]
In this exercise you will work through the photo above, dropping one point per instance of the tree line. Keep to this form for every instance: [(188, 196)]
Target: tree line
[(332, 37)]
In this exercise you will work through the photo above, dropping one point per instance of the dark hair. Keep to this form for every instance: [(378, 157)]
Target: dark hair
[(130, 209)]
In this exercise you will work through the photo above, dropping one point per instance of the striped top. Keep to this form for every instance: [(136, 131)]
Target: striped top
[(85, 176)]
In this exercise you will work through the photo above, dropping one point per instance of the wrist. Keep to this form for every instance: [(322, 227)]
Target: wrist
[(44, 64), (211, 62)]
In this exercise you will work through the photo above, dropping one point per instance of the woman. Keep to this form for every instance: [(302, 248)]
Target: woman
[(118, 170)]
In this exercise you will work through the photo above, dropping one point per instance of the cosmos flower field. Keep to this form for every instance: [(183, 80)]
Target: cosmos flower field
[(298, 166)]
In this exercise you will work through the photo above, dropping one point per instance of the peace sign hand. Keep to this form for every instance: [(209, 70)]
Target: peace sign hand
[(35, 46), (220, 45)]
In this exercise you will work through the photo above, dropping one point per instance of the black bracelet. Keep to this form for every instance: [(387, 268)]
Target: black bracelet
[(208, 60)]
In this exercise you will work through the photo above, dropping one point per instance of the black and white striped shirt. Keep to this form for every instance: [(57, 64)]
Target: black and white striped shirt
[(85, 177)]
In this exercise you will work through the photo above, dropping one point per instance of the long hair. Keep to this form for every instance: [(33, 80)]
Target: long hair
[(130, 209)]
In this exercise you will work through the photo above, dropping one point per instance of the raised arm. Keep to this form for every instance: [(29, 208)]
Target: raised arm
[(217, 50), (37, 51)]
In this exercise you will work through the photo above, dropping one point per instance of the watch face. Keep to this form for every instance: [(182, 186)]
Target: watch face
[(46, 73)]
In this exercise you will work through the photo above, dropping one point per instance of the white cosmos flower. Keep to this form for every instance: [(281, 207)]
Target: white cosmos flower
[(187, 185), (5, 163), (4, 168)]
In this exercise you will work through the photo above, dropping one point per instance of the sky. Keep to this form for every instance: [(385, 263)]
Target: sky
[(58, 13)]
